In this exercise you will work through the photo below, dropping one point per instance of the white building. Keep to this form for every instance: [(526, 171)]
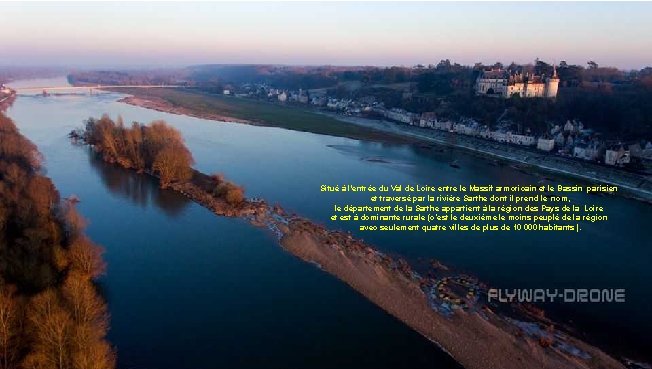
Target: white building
[(498, 136), (545, 144), (426, 123), (443, 125), (459, 128), (399, 115), (617, 157), (523, 140), (283, 97), (500, 83), (492, 82), (428, 120), (464, 129)]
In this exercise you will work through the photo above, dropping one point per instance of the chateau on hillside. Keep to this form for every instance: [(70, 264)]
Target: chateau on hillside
[(501, 83)]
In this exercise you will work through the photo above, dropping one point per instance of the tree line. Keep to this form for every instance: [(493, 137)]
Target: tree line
[(155, 148), (606, 99), (51, 314)]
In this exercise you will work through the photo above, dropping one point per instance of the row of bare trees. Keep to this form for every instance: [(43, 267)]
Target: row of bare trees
[(51, 314), (230, 192), (156, 147)]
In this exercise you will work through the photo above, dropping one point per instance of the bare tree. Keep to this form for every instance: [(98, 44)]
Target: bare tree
[(8, 325)]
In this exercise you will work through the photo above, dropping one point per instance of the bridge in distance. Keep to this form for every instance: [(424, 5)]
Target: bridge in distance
[(93, 87)]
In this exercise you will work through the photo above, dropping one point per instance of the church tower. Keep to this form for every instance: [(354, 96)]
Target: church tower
[(552, 84)]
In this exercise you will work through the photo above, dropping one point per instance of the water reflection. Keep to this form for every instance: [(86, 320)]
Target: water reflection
[(292, 166), (140, 189)]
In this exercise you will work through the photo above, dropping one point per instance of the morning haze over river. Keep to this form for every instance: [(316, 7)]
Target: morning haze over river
[(188, 289)]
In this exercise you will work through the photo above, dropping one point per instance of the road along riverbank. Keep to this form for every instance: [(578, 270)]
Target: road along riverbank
[(633, 185)]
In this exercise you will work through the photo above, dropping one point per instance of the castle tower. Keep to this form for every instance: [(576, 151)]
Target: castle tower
[(552, 84)]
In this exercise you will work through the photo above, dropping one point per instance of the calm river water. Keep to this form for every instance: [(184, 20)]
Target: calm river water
[(187, 289)]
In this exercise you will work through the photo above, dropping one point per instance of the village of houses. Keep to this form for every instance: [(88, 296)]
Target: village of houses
[(571, 139)]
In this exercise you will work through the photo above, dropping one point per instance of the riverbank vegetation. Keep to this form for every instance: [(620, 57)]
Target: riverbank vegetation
[(51, 314), (159, 149)]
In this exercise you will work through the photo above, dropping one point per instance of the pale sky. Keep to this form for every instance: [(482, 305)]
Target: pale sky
[(388, 33)]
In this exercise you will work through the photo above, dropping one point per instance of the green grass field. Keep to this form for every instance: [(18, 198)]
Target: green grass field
[(263, 112)]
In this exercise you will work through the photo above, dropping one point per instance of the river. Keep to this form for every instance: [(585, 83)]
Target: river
[(187, 289)]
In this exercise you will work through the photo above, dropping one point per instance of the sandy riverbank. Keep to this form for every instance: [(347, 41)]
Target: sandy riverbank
[(476, 340), (164, 106)]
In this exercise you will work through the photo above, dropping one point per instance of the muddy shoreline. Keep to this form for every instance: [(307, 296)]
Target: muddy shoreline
[(165, 107)]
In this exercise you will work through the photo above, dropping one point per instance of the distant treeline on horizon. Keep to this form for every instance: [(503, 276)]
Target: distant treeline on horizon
[(606, 99)]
